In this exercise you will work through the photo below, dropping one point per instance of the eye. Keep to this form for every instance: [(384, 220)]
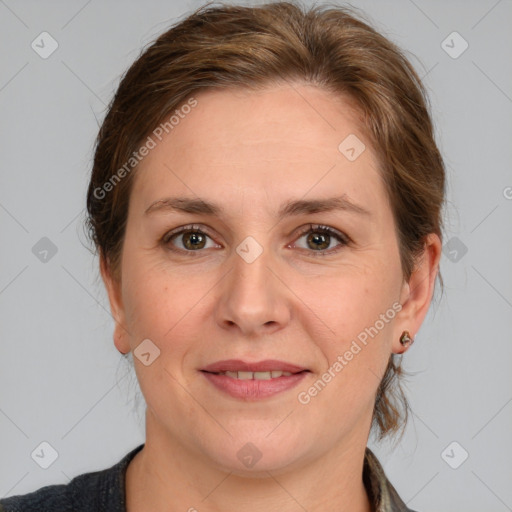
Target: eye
[(318, 238), (191, 239)]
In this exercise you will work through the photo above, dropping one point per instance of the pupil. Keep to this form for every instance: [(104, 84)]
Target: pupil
[(194, 239), (319, 238)]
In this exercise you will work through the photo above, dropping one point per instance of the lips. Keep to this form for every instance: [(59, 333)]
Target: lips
[(244, 368), (274, 374), (254, 381)]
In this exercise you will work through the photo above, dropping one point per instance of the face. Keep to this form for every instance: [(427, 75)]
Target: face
[(295, 261)]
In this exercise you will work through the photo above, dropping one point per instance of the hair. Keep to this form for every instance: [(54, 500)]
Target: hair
[(254, 47)]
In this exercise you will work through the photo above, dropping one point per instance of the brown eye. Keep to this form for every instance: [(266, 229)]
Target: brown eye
[(319, 238), (194, 240), (188, 239)]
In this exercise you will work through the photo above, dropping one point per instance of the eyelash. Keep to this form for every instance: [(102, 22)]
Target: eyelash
[(315, 228)]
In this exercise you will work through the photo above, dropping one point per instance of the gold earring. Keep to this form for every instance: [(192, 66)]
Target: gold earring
[(405, 339)]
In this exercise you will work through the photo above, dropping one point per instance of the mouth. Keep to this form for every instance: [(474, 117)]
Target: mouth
[(243, 375), (253, 381), (263, 370)]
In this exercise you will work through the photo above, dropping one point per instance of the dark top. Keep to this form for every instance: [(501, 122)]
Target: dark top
[(104, 491)]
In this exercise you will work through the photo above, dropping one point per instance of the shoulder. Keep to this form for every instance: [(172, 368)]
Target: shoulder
[(51, 497), (98, 490)]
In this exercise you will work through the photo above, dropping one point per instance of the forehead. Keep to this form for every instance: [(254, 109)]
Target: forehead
[(280, 141)]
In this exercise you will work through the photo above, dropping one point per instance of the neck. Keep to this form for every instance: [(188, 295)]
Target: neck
[(166, 474)]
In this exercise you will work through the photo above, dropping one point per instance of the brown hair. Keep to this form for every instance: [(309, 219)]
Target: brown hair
[(234, 46)]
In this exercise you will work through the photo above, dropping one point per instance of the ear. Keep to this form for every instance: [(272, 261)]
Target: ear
[(113, 287), (416, 294)]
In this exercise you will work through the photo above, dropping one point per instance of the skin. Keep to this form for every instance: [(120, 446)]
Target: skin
[(251, 152)]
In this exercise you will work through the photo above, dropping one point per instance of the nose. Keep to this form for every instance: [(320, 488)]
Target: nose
[(254, 299)]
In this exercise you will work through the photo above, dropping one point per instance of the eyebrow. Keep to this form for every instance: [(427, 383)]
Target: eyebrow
[(288, 209)]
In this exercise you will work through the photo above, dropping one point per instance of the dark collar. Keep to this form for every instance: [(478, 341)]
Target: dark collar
[(382, 494)]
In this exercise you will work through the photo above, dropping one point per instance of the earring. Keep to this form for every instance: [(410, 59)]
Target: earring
[(405, 339)]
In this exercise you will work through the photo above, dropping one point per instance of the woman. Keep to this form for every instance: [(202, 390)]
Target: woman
[(266, 203)]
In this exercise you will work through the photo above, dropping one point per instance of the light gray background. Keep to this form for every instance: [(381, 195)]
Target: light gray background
[(61, 378)]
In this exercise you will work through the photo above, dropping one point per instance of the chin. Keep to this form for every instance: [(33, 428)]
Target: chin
[(257, 454), (276, 463)]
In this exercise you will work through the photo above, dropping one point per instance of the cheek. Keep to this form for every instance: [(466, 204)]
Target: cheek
[(171, 307), (351, 302), (161, 308), (359, 311), (354, 358), (154, 301)]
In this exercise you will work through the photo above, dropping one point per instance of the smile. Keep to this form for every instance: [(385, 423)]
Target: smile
[(255, 375), (252, 386)]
